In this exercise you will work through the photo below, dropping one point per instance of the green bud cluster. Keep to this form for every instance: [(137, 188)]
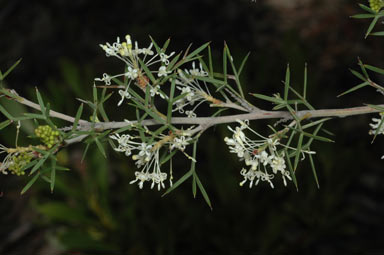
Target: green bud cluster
[(47, 135), (376, 5), (18, 162)]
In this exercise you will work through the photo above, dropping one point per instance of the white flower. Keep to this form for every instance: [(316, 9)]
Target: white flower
[(194, 93), (124, 143), (190, 114), (7, 161), (180, 143), (151, 164), (164, 57), (264, 158), (156, 91), (142, 177), (278, 164), (375, 126), (124, 95), (146, 157), (147, 51), (133, 59), (163, 71), (144, 154), (238, 135), (260, 156), (251, 175), (131, 73), (197, 72), (106, 79), (267, 177)]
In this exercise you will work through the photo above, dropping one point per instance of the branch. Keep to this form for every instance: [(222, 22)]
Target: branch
[(204, 122)]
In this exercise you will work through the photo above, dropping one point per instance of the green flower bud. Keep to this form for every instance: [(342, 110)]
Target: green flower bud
[(376, 5)]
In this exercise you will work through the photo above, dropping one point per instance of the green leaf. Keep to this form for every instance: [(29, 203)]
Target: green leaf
[(298, 151), (34, 116), (85, 151), (358, 75), (294, 115), (381, 33), (377, 107), (6, 114), (39, 163), (202, 190), (314, 123), (165, 46), (30, 183), (225, 65), (61, 168), (147, 96), (100, 147), (10, 70), (292, 172), (46, 114), (363, 16), (185, 176), (123, 129), (94, 93), (286, 83), (40, 100), (197, 51), (210, 62), (157, 133), (179, 181), (363, 69), (149, 111), (53, 175), (316, 137), (101, 105), (314, 171), (305, 81), (5, 124), (366, 8), (302, 99), (361, 85), (78, 116), (173, 62), (243, 62), (268, 98), (168, 157), (147, 72), (170, 101), (30, 164), (375, 69), (213, 81), (194, 186), (372, 25), (235, 72)]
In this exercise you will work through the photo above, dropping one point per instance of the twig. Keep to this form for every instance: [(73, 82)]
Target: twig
[(204, 123)]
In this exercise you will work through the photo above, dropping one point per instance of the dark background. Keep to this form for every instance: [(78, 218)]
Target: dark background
[(95, 211)]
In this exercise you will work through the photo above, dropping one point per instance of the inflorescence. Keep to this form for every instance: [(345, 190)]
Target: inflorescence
[(262, 157)]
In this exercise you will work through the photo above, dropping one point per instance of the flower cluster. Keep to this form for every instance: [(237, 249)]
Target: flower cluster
[(259, 156), (194, 93), (134, 71), (15, 160), (18, 162), (48, 136), (146, 156), (376, 5), (376, 127)]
